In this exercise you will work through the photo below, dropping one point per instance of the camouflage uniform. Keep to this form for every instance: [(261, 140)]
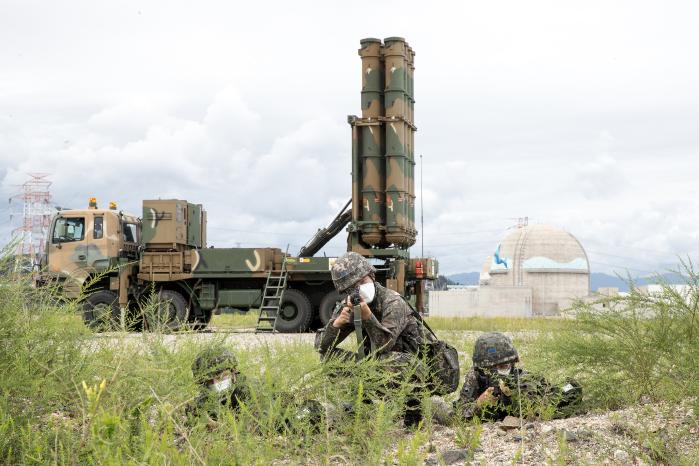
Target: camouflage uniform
[(209, 364), (392, 328), (208, 404), (495, 348), (392, 333)]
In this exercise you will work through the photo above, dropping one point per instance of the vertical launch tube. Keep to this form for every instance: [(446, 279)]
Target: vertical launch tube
[(371, 143), (411, 152), (397, 134)]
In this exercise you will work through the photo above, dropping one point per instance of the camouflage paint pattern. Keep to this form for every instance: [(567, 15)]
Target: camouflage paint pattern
[(72, 262), (410, 174), (382, 146), (226, 260), (370, 144), (349, 269), (492, 349), (397, 141), (173, 224), (393, 327)]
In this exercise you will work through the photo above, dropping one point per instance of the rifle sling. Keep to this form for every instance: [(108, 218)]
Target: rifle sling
[(419, 317), (358, 330)]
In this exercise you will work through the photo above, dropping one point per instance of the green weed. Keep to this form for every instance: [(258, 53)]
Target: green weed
[(632, 346)]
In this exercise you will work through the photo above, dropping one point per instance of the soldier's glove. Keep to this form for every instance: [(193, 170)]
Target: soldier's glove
[(486, 397), (504, 388)]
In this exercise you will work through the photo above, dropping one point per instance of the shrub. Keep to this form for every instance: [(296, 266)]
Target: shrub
[(633, 346)]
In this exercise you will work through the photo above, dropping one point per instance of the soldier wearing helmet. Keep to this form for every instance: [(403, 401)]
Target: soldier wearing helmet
[(494, 358), (215, 370), (390, 329), (494, 382)]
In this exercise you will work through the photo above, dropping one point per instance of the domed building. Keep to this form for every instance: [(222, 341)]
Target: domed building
[(550, 261), (535, 270)]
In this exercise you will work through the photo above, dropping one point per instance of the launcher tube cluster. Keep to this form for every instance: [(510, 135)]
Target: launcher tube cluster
[(382, 145)]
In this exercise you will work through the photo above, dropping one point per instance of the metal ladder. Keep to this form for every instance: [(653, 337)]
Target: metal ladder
[(272, 299)]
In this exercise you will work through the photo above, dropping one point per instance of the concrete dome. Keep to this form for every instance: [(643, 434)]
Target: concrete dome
[(549, 260)]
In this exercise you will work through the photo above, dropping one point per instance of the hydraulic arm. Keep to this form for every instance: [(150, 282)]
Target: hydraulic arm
[(324, 235)]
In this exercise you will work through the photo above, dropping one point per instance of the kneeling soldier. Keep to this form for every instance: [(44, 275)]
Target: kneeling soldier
[(389, 330)]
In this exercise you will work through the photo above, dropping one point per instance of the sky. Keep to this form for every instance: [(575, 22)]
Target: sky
[(583, 115)]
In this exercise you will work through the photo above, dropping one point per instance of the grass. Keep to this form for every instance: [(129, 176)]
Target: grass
[(236, 321), (68, 397), (498, 324)]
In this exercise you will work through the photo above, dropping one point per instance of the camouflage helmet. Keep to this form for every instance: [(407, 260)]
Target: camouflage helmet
[(212, 361), (349, 269), (492, 349)]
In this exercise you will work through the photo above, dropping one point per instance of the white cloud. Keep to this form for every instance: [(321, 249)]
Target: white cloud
[(244, 111)]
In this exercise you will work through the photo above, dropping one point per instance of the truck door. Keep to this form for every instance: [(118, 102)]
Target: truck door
[(98, 251), (67, 253)]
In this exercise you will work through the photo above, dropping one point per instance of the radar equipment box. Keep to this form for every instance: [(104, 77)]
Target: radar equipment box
[(173, 224)]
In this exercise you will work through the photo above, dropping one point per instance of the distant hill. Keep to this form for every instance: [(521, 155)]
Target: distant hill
[(597, 280), (466, 278), (603, 280)]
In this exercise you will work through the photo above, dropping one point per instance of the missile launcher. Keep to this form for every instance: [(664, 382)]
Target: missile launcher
[(382, 149)]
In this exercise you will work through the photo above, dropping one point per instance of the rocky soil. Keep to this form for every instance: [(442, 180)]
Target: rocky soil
[(644, 434)]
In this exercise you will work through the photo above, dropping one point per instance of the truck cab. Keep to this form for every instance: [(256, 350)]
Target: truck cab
[(87, 243)]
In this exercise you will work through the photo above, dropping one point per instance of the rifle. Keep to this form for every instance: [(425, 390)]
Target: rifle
[(356, 301)]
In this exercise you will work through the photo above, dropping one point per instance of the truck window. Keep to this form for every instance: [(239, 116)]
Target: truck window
[(130, 232), (98, 230), (69, 229)]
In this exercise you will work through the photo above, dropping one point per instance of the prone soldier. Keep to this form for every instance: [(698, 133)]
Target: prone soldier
[(495, 387), (223, 387), (215, 370)]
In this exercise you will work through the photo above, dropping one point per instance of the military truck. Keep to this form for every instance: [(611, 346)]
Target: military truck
[(123, 260), (117, 261)]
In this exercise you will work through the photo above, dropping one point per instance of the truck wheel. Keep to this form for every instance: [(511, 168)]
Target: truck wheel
[(202, 321), (295, 313), (170, 312), (101, 311), (327, 306)]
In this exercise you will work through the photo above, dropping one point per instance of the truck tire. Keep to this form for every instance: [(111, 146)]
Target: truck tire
[(295, 313), (200, 322), (327, 306), (170, 313), (101, 311)]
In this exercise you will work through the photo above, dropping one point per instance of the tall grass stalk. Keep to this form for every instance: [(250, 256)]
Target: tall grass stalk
[(638, 345)]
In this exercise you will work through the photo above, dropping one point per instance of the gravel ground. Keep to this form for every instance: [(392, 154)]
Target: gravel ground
[(644, 434), (240, 338)]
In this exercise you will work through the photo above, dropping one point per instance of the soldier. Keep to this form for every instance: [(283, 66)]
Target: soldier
[(222, 384), (494, 386), (391, 331)]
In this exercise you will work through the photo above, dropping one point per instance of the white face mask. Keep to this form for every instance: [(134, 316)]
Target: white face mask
[(367, 291), (221, 386), (505, 371)]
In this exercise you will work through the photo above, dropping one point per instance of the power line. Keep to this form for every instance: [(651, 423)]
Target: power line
[(476, 232), (256, 232)]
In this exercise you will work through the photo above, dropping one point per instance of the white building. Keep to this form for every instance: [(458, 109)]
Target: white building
[(535, 270)]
